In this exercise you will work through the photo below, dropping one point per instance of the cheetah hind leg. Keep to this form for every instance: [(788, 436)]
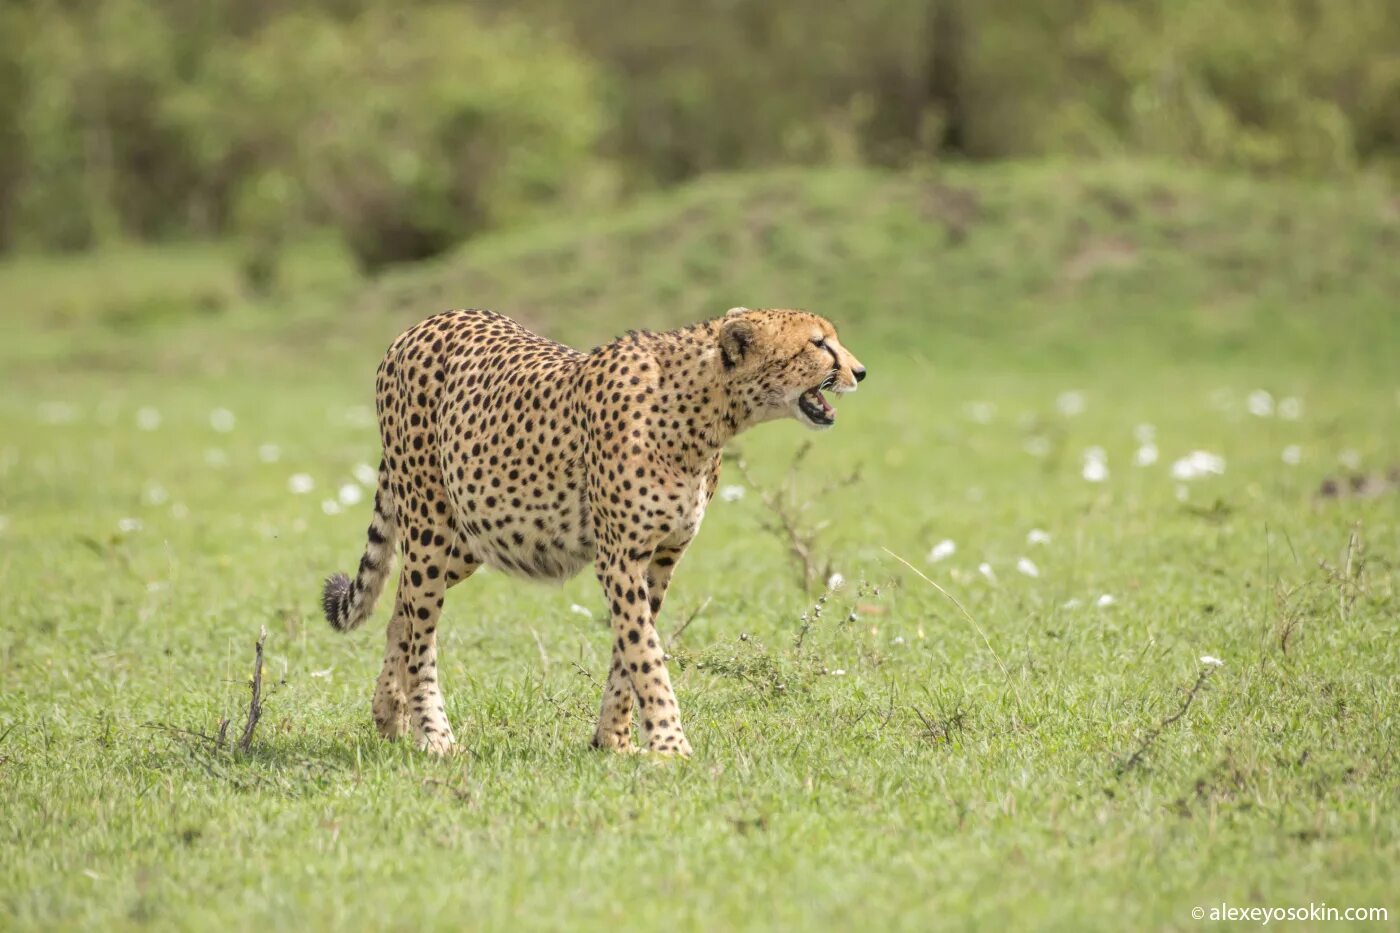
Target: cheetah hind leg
[(390, 701), (428, 572)]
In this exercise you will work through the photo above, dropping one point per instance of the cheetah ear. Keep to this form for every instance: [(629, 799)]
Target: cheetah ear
[(739, 310), (735, 338)]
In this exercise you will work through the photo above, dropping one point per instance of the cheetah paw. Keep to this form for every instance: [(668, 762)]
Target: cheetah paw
[(670, 747), (437, 743), (620, 742)]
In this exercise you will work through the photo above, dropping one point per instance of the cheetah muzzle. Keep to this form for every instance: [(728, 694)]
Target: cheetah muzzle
[(503, 448)]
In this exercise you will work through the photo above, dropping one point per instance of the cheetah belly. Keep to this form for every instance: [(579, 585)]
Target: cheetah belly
[(540, 531)]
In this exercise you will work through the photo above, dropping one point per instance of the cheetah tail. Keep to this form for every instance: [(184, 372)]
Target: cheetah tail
[(349, 602)]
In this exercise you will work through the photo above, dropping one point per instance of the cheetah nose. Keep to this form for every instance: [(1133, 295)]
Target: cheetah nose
[(859, 374)]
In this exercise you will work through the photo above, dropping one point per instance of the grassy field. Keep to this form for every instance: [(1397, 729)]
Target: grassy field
[(180, 465)]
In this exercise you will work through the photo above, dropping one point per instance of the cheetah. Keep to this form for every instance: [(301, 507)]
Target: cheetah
[(505, 449)]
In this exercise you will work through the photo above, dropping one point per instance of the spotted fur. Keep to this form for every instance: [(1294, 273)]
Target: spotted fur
[(503, 448)]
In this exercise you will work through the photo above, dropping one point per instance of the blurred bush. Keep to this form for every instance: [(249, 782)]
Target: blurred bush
[(410, 126), (406, 130)]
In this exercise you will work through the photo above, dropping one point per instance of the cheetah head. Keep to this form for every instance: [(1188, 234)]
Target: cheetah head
[(781, 362)]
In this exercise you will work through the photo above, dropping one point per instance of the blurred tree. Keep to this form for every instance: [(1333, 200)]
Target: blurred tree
[(97, 161), (406, 129), (410, 125), (12, 97)]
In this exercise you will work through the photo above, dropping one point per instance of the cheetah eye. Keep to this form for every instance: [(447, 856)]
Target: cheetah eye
[(819, 342)]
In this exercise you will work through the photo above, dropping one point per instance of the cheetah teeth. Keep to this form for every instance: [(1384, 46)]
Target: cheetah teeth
[(815, 406)]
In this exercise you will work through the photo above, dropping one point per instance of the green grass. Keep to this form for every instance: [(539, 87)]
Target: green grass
[(895, 771)]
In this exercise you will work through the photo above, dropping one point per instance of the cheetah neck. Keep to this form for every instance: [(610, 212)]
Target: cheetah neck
[(700, 413)]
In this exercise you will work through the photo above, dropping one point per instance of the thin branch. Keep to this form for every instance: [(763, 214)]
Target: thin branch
[(787, 514), (255, 701), (586, 673), (809, 618), (672, 638), (562, 709), (1135, 758), (223, 734)]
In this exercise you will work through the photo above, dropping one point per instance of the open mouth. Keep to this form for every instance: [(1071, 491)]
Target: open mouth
[(815, 408)]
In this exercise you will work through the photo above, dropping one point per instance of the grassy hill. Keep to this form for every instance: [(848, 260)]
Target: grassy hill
[(1035, 263), (1120, 391)]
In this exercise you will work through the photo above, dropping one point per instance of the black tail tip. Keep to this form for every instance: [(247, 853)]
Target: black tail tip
[(335, 600)]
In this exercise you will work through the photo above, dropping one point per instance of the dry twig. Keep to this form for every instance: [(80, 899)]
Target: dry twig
[(1133, 760), (586, 674), (255, 701), (788, 516), (674, 636)]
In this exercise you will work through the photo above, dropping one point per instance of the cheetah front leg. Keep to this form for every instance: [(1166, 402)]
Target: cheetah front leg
[(615, 718), (643, 661)]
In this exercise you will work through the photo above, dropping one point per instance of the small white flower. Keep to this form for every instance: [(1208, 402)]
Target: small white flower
[(980, 412), (301, 483), (269, 453), (1290, 408), (731, 493), (1260, 403), (1146, 455), (835, 581), (985, 569), (1072, 604), (1196, 464), (1070, 403), (1038, 446), (330, 506), (1105, 601), (129, 525), (155, 494), (897, 640), (215, 457), (155, 586), (943, 549), (1292, 455), (578, 610), (1095, 465), (147, 419), (1027, 567), (1037, 536), (365, 474), (325, 673), (350, 494), (222, 420), (1350, 459), (1145, 434), (839, 672), (57, 413), (1212, 661), (179, 510)]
